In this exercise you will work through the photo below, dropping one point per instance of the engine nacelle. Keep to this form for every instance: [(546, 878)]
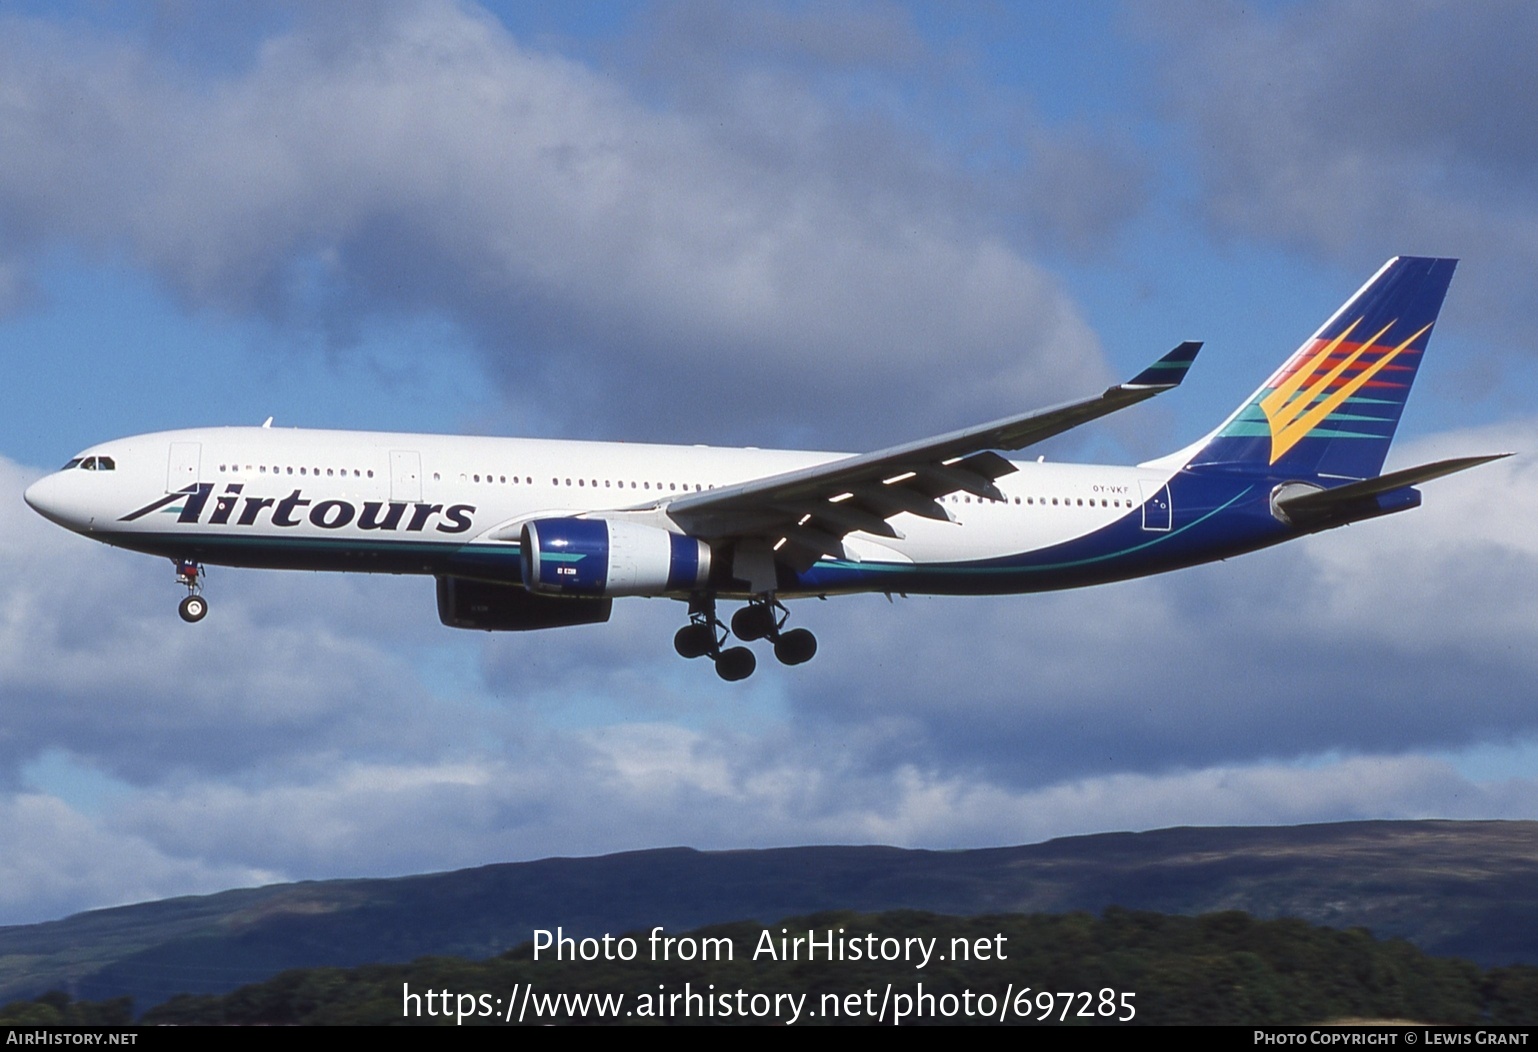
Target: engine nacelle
[(602, 557), (463, 603)]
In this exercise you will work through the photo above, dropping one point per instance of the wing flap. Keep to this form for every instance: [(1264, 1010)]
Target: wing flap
[(887, 500), (938, 480), (842, 518)]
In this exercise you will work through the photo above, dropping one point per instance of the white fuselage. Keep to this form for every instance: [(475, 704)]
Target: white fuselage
[(367, 491)]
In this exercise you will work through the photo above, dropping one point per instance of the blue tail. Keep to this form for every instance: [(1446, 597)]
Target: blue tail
[(1331, 410)]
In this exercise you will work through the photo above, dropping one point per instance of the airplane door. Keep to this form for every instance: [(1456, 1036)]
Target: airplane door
[(1157, 511), (405, 475), (182, 471)]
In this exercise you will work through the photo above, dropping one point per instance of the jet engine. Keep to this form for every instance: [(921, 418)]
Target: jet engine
[(466, 603), (602, 557)]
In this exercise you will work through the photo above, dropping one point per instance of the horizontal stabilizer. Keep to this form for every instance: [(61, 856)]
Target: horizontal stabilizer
[(1342, 502)]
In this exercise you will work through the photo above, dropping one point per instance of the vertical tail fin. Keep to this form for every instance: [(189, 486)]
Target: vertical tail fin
[(1331, 410)]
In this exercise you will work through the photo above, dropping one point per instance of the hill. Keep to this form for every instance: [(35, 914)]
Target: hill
[(1464, 889)]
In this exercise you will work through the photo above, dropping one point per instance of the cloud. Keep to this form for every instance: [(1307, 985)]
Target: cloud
[(1359, 131), (742, 227), (296, 739), (57, 861), (1411, 632), (93, 657), (643, 786), (613, 259)]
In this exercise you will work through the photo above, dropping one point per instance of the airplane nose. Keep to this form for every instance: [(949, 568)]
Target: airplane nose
[(45, 497), (33, 495)]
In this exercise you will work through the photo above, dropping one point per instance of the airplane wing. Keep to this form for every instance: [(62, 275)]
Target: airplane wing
[(805, 514)]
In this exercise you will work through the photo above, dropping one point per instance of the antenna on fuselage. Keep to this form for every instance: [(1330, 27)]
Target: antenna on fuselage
[(267, 422)]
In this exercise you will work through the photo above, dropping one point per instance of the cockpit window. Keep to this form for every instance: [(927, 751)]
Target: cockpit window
[(75, 463), (106, 464), (91, 464)]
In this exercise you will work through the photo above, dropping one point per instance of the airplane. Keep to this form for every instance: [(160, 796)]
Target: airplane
[(525, 534)]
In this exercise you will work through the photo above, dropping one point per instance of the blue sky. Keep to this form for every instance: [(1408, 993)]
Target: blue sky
[(823, 225)]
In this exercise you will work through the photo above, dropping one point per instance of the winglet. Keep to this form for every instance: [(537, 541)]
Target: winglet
[(1168, 371)]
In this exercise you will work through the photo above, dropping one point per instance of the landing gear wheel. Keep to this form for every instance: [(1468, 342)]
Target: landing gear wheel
[(795, 647), (754, 622), (703, 635), (193, 609), (693, 641), (736, 663)]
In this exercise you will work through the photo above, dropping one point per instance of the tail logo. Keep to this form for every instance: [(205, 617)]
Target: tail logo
[(1311, 389)]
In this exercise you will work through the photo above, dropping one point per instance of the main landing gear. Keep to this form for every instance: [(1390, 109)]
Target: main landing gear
[(193, 608), (760, 619)]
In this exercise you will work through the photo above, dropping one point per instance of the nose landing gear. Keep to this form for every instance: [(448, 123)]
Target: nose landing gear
[(193, 608)]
